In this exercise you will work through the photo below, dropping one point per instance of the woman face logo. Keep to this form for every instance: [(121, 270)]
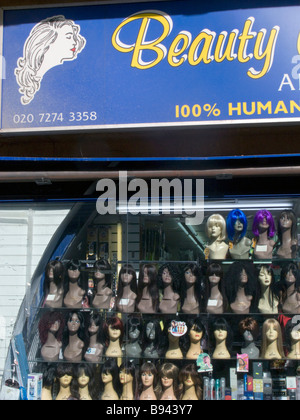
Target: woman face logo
[(50, 43)]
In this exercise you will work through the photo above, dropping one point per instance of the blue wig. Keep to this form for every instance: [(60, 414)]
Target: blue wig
[(232, 217)]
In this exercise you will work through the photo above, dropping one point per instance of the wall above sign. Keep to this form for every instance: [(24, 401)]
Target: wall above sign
[(160, 64)]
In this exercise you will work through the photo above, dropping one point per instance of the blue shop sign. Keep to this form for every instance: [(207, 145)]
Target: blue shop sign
[(148, 65)]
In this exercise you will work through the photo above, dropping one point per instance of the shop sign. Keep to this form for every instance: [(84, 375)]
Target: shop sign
[(147, 65)]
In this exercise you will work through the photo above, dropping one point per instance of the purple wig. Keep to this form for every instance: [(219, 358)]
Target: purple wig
[(259, 217)]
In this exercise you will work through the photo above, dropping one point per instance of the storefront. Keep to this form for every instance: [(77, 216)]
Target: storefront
[(168, 134)]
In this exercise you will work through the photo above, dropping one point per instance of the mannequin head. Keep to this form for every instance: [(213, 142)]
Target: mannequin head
[(152, 334), (289, 278), (85, 376), (216, 227), (263, 220), (95, 326), (192, 277), (241, 275), (221, 331), (127, 277), (168, 274), (134, 329), (214, 277), (168, 374), (148, 279), (75, 325), (53, 322), (287, 221), (271, 333), (74, 275), (292, 333), (148, 377), (266, 280), (249, 329), (236, 224), (127, 375), (102, 271), (189, 377), (109, 375), (54, 272), (65, 376), (113, 330)]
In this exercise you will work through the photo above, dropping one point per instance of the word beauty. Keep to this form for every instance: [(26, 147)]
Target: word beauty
[(206, 47), (158, 196)]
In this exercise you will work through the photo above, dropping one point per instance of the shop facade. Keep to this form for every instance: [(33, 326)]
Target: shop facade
[(167, 135)]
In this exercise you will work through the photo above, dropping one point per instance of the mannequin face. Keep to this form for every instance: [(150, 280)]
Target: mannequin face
[(243, 277), (114, 333), (150, 331), (55, 327), (195, 336), (271, 333), (106, 377), (65, 381), (188, 382), (50, 274), (220, 335), (93, 328), (125, 378), (248, 336), (264, 224), (73, 274), (295, 335), (214, 230), (134, 333), (167, 382), (264, 277), (166, 276), (83, 380), (214, 279), (126, 278), (147, 379), (189, 277), (285, 222), (290, 278), (99, 275), (146, 279), (238, 226), (74, 324)]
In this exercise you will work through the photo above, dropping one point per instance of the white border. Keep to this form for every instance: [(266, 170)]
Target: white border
[(150, 125)]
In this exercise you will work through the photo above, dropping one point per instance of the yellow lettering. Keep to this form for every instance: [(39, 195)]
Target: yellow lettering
[(231, 109), (194, 57), (293, 105), (281, 108), (244, 38), (175, 50), (141, 44), (266, 107), (245, 110), (268, 54), (228, 54)]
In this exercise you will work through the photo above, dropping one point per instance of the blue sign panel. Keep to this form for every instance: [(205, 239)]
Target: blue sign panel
[(148, 64)]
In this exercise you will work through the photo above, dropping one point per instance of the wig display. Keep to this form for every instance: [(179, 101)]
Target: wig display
[(102, 276), (237, 224), (221, 339), (249, 329), (272, 343), (191, 289), (54, 284), (264, 230), (241, 287), (147, 292), (74, 339), (215, 299), (127, 290), (148, 383), (216, 234), (190, 383), (113, 329), (110, 387), (95, 347), (169, 283), (51, 328), (268, 299), (128, 380), (169, 377), (288, 288), (287, 242), (84, 382), (75, 287)]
